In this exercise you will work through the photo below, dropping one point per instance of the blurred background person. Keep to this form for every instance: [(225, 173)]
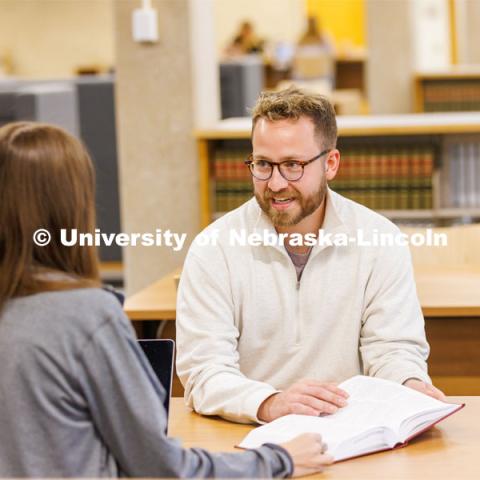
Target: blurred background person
[(245, 41), (314, 57)]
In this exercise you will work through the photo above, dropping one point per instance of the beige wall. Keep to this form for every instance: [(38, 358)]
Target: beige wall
[(390, 56), (50, 38), (411, 36), (158, 163), (470, 31)]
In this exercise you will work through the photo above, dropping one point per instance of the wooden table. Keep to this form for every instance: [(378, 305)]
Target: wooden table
[(450, 450), (449, 291), (155, 302), (450, 300), (443, 292)]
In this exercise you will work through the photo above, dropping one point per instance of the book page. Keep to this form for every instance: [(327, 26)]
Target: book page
[(343, 439), (366, 414), (418, 422), (391, 403), (377, 411)]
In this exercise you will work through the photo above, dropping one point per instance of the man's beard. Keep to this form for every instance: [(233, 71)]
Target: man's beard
[(285, 218)]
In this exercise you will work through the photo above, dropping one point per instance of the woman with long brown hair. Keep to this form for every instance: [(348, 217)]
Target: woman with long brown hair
[(77, 395)]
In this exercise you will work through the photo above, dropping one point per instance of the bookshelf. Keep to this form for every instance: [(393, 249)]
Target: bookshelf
[(414, 167), (455, 90)]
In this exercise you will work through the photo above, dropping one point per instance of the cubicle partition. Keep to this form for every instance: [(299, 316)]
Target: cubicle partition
[(84, 106)]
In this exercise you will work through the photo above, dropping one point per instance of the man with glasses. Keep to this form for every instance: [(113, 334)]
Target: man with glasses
[(267, 330)]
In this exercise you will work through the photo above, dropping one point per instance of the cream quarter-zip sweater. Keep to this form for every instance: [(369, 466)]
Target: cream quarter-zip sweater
[(246, 328)]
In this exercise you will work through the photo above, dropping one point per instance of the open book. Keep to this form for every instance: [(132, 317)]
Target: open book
[(380, 415)]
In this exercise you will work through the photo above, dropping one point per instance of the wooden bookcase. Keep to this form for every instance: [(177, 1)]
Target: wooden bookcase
[(455, 90), (449, 143)]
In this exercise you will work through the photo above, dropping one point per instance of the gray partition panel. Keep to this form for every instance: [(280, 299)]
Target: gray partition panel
[(241, 81), (54, 103), (96, 109), (84, 107), (7, 107)]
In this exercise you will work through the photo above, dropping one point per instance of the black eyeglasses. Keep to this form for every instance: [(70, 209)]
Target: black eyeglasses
[(291, 170)]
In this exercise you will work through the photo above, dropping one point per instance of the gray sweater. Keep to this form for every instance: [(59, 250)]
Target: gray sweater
[(78, 398)]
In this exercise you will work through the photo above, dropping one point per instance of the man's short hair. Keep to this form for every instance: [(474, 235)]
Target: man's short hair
[(294, 103)]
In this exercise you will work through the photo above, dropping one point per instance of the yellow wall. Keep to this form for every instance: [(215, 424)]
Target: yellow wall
[(342, 19)]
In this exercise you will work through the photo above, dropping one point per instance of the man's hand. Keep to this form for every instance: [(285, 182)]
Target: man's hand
[(425, 388), (306, 397)]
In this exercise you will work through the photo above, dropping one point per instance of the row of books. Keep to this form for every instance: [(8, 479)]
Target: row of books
[(394, 178), (233, 182), (461, 175), (230, 195), (230, 165), (382, 179), (456, 95)]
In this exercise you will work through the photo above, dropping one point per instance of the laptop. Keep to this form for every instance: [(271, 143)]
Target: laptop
[(160, 354)]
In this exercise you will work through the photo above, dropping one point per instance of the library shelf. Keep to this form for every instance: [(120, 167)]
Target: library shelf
[(455, 89), (408, 166)]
